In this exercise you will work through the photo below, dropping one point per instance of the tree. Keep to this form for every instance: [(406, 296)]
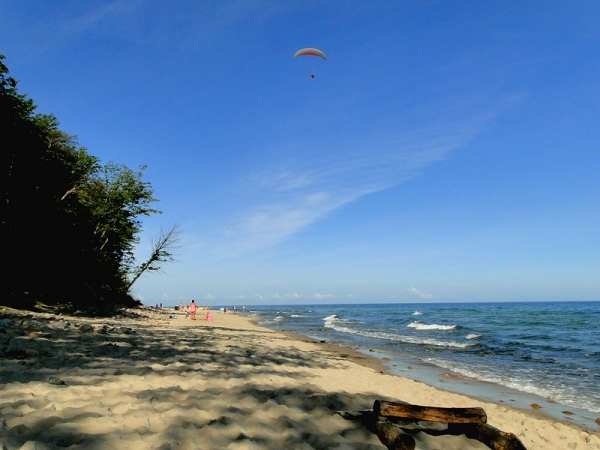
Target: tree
[(116, 197), (69, 223), (38, 163), (167, 241)]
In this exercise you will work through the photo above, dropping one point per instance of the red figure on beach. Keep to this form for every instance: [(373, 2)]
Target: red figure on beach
[(192, 308)]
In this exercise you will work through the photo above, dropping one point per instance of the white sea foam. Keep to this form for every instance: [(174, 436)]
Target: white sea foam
[(473, 336), (335, 323), (520, 382), (433, 326), (417, 313), (330, 320), (297, 315)]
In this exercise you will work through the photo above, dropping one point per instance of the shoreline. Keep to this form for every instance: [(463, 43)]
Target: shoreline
[(340, 350), (154, 382), (373, 360), (369, 360), (494, 385)]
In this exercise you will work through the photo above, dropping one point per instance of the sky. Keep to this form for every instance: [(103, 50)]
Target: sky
[(444, 151)]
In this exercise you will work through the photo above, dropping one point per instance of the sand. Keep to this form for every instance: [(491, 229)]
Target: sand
[(157, 383)]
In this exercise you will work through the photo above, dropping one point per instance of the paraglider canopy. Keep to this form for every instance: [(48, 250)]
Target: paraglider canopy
[(310, 52)]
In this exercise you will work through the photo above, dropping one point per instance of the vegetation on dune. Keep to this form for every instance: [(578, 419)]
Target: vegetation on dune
[(69, 223)]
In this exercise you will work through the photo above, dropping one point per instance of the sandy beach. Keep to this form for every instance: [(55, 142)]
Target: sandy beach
[(161, 381)]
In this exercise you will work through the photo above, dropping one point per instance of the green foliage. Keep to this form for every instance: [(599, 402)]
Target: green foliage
[(70, 223), (116, 197)]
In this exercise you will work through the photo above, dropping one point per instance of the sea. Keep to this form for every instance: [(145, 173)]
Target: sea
[(545, 354)]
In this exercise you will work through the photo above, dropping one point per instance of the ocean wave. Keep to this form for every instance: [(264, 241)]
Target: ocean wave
[(434, 326), (396, 337), (472, 336), (417, 313), (434, 342), (331, 321), (521, 382), (297, 315)]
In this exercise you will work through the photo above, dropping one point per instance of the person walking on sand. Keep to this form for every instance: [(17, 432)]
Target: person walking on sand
[(192, 309)]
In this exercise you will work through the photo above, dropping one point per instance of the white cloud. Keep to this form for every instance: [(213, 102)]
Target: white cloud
[(323, 296), (289, 199), (68, 24), (294, 296), (421, 294)]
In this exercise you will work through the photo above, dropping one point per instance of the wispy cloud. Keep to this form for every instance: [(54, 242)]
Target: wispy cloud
[(93, 17), (294, 296), (421, 294), (291, 197), (306, 181), (69, 23)]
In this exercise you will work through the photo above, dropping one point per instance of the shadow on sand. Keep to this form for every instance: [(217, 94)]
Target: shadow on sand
[(130, 385)]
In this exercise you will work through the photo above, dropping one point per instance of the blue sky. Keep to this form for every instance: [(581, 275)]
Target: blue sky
[(445, 151)]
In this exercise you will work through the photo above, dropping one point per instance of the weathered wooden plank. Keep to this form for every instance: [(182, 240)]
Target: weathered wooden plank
[(430, 413)]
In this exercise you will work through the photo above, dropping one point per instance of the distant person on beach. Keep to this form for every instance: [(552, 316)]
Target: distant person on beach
[(192, 308), (208, 315)]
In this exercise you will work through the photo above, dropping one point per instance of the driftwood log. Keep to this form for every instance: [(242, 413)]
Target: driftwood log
[(405, 410), (492, 437), (392, 437), (395, 422)]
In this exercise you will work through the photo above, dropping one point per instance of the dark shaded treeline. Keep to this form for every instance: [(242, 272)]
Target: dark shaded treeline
[(68, 223)]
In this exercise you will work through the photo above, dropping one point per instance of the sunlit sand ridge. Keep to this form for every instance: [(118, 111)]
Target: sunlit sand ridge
[(160, 383)]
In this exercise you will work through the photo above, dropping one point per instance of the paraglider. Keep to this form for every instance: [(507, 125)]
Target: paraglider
[(309, 51)]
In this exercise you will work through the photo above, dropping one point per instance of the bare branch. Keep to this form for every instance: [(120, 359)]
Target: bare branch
[(162, 248)]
